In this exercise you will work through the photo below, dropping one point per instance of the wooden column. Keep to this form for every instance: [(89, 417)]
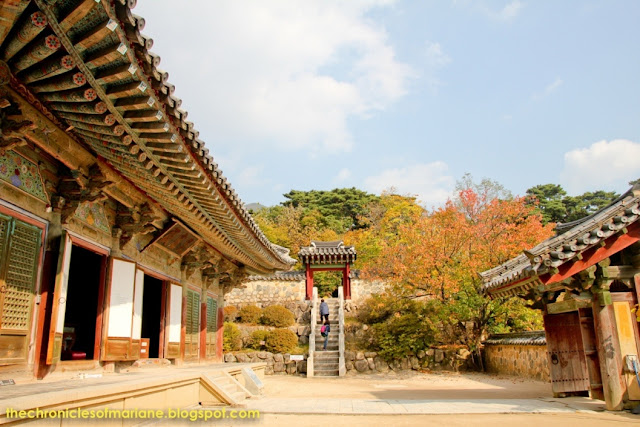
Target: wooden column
[(346, 281), (308, 282), (608, 349)]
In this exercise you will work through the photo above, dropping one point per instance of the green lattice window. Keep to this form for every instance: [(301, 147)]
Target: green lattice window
[(212, 311), (19, 248)]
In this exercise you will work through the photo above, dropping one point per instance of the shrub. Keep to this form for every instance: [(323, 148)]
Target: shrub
[(257, 339), (230, 313), (281, 341), (249, 314), (232, 340), (278, 316)]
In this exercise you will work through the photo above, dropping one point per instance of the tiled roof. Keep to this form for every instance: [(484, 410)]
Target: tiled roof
[(574, 238), (90, 69), (518, 338), (292, 276), (280, 276), (327, 253)]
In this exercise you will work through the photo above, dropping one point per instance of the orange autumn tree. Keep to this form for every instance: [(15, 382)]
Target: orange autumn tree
[(437, 256)]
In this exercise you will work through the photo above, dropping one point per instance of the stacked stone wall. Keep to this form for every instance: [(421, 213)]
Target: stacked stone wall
[(525, 361), (269, 292), (266, 292)]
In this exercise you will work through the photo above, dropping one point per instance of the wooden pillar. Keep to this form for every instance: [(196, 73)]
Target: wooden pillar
[(608, 349), (309, 283), (346, 281)]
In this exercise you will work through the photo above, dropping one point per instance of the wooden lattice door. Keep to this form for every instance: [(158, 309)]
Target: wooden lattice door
[(19, 253), (212, 326), (565, 349), (192, 328)]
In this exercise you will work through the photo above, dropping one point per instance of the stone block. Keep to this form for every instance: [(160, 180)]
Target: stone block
[(381, 364), (278, 357), (430, 352), (229, 358), (349, 355), (372, 364), (278, 367), (291, 367), (262, 355), (348, 364), (421, 354), (287, 357), (414, 362), (439, 356), (404, 363), (361, 365), (242, 358), (368, 354), (359, 355), (268, 370)]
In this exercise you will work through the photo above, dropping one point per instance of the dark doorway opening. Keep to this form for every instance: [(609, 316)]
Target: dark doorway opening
[(152, 313), (81, 311)]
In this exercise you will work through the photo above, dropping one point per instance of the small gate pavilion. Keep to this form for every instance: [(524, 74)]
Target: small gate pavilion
[(327, 256), (587, 281)]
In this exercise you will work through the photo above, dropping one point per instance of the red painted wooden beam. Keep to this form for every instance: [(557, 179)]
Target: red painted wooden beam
[(613, 244)]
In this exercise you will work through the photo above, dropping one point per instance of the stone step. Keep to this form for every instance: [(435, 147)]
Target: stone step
[(326, 355), (331, 373), (329, 347), (326, 364)]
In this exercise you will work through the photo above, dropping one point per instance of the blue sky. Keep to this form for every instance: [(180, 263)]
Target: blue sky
[(407, 94)]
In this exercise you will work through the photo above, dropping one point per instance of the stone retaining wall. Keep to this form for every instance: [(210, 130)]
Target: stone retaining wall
[(269, 292), (266, 292), (358, 362), (277, 364)]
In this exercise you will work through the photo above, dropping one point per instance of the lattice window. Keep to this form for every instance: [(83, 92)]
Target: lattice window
[(193, 312), (20, 275), (212, 318)]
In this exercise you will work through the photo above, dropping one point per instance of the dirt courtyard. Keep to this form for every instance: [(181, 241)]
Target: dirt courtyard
[(407, 385), (473, 387)]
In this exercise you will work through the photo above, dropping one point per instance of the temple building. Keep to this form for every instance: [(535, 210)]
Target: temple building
[(587, 281), (119, 235)]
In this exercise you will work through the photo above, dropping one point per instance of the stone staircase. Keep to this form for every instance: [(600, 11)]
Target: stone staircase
[(227, 388), (326, 362)]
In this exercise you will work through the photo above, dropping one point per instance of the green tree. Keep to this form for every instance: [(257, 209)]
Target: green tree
[(556, 206), (340, 208), (549, 199)]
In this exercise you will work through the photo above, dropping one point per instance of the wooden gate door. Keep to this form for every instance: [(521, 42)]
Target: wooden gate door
[(565, 350)]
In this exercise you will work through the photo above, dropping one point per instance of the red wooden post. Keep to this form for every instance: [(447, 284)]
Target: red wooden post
[(347, 281), (309, 282), (220, 333)]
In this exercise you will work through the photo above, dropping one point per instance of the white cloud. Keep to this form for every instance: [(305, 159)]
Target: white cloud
[(436, 55), (436, 58), (342, 176), (280, 74), (430, 182), (510, 11), (549, 89), (605, 165)]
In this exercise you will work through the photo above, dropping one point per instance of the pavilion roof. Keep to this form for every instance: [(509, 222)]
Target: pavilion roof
[(86, 65), (540, 265), (333, 252)]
